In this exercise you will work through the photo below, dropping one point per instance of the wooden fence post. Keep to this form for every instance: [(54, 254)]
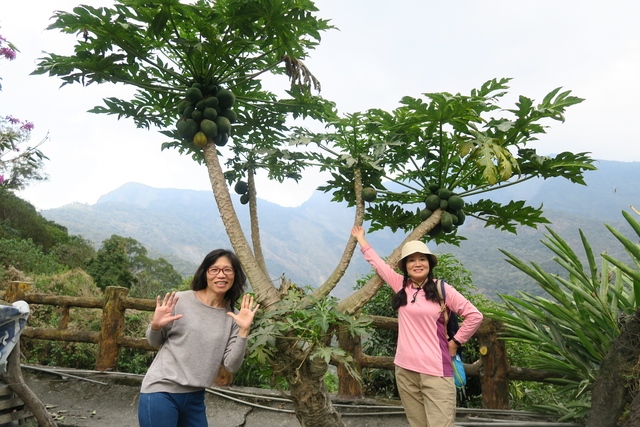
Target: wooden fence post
[(15, 291), (494, 372), (347, 385), (111, 328)]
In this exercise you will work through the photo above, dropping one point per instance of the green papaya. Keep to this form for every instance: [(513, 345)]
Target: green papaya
[(224, 125), (197, 115), (433, 188), (201, 105), (435, 231), (211, 101), (210, 113), (209, 128), (432, 202), (369, 194), (444, 204), (193, 94), (461, 217), (182, 105), (189, 129), (446, 222), (425, 214), (230, 114), (226, 98), (444, 193), (182, 128), (244, 199), (188, 111), (241, 187), (455, 202), (222, 141)]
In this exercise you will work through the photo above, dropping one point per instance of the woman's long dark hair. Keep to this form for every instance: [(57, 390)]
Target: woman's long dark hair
[(239, 278), (430, 291)]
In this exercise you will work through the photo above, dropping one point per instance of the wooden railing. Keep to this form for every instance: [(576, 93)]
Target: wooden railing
[(492, 368)]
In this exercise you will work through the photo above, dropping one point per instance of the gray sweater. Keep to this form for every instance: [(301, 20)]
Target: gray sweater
[(193, 347)]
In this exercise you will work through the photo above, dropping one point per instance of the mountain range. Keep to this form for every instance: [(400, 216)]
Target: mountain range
[(304, 243)]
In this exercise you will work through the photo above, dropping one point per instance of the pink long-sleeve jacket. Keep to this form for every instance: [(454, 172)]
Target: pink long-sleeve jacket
[(422, 338)]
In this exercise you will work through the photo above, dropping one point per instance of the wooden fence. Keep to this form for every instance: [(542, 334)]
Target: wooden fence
[(492, 368)]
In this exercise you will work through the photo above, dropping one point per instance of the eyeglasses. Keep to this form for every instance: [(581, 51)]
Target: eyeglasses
[(226, 271)]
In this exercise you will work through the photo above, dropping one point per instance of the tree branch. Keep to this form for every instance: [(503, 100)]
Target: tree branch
[(354, 302)]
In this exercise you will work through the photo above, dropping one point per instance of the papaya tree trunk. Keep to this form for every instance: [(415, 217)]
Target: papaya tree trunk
[(331, 282), (610, 393), (265, 291), (255, 225), (634, 413), (309, 394)]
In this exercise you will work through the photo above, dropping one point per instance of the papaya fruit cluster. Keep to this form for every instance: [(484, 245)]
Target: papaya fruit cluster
[(452, 206), (206, 112), (438, 198), (242, 188)]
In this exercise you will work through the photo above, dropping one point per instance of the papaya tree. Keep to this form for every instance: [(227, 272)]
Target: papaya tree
[(179, 57), (422, 167)]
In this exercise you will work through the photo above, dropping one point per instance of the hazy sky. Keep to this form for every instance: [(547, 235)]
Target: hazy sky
[(382, 51)]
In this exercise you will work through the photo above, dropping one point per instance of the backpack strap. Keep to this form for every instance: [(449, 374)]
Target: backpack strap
[(443, 298)]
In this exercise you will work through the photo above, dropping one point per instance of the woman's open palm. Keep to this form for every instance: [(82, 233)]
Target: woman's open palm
[(244, 318), (163, 314)]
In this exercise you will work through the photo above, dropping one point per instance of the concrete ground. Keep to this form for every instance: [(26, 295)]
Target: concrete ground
[(77, 402), (89, 399)]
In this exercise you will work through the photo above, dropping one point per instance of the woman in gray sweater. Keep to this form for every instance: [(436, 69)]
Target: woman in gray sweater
[(196, 332)]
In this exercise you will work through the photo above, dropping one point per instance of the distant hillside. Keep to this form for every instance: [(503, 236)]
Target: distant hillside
[(305, 242)]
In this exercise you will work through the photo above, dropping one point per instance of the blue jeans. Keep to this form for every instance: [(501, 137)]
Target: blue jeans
[(172, 410)]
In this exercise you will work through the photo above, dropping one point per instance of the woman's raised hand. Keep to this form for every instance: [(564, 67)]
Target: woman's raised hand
[(163, 314), (244, 318), (358, 232)]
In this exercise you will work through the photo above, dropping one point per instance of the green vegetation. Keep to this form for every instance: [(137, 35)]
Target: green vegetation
[(572, 331), (123, 262), (307, 334), (20, 220), (39, 251)]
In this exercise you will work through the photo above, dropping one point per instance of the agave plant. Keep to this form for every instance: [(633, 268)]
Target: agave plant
[(572, 331)]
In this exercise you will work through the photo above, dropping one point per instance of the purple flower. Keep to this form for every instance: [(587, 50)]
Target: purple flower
[(12, 120), (8, 53), (1, 176), (27, 126)]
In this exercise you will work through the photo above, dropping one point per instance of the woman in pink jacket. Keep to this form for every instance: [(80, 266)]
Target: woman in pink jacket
[(424, 372)]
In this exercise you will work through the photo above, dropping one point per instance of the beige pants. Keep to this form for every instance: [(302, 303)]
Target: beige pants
[(428, 401)]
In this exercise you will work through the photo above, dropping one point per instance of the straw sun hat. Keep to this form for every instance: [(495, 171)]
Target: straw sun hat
[(416, 246)]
